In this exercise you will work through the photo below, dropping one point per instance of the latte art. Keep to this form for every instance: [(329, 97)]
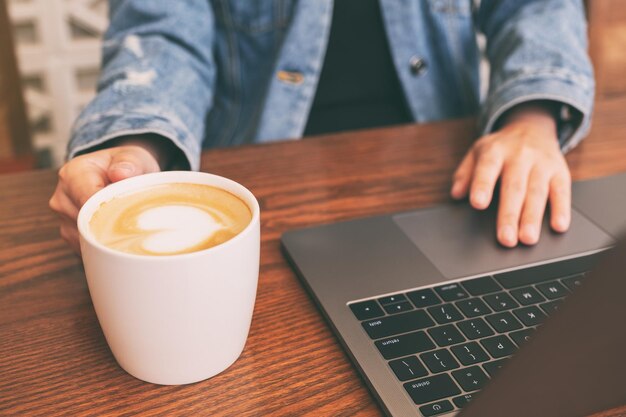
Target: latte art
[(170, 219), (176, 228)]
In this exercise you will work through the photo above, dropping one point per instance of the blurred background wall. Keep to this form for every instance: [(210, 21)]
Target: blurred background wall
[(57, 44)]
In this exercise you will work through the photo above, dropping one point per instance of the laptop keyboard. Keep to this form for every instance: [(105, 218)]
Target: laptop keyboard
[(444, 343)]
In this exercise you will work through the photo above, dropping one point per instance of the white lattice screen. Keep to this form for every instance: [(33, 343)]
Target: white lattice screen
[(58, 51)]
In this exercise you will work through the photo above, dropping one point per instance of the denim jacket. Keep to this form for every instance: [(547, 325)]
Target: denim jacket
[(207, 73)]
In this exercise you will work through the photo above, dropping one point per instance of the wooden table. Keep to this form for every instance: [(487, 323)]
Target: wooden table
[(54, 359)]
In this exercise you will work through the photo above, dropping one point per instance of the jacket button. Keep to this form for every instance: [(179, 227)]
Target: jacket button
[(417, 65)]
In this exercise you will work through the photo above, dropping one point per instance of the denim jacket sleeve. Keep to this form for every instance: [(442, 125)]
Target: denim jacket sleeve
[(158, 76), (537, 51)]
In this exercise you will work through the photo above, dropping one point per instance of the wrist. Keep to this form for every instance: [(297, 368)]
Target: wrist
[(537, 115), (164, 152)]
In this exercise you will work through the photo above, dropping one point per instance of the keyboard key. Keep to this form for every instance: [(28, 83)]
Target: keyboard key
[(527, 295), (396, 324), (446, 335), (462, 400), (498, 346), (551, 306), (423, 298), (446, 313), (552, 290), (500, 301), (480, 286), (404, 345), (504, 322), (470, 353), (521, 336), (471, 379), (398, 307), (573, 282), (439, 361), (432, 388), (546, 272), (473, 307), (366, 310), (451, 292), (390, 299), (434, 409), (530, 316), (494, 366), (408, 368), (475, 328)]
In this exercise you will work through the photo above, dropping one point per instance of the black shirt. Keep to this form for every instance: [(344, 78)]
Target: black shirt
[(358, 86)]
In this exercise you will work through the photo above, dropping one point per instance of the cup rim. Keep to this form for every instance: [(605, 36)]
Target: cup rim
[(126, 186)]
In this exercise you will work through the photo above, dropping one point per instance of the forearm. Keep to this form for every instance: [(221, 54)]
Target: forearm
[(530, 64), (157, 78), (164, 152)]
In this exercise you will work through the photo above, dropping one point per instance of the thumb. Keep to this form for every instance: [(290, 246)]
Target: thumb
[(129, 162)]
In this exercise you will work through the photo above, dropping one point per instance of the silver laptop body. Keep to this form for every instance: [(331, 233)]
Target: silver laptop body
[(346, 265)]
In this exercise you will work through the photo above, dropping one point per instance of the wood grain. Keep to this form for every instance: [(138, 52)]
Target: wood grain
[(54, 359), (14, 130)]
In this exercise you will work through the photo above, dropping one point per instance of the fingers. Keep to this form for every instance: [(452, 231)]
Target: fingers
[(512, 194), (84, 184), (62, 204), (463, 176), (69, 233), (488, 168), (83, 176), (560, 201), (68, 212), (543, 184), (79, 179), (130, 161), (524, 153), (534, 206), (67, 200)]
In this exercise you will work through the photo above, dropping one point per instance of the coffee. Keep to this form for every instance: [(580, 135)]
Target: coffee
[(170, 219)]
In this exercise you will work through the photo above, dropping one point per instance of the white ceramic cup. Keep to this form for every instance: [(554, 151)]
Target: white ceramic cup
[(173, 319)]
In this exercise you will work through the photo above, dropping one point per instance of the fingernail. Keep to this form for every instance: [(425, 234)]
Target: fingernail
[(561, 222), (530, 232), (456, 189), (125, 167), (507, 235), (480, 198)]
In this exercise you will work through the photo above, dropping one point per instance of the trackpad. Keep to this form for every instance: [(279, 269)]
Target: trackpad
[(461, 241)]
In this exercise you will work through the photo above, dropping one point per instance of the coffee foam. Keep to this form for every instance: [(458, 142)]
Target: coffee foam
[(177, 227), (170, 219)]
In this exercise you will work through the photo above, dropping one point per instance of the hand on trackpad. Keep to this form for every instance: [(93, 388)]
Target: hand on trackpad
[(466, 236)]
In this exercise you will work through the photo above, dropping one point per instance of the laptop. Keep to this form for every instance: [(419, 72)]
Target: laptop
[(430, 308)]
